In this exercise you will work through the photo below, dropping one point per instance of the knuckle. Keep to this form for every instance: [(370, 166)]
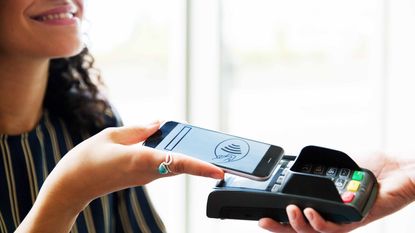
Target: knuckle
[(178, 167), (300, 226), (140, 128), (110, 131), (295, 225)]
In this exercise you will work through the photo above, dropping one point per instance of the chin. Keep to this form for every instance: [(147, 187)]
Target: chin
[(74, 52), (65, 51)]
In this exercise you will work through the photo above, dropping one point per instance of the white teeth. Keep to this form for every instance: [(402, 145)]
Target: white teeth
[(57, 16)]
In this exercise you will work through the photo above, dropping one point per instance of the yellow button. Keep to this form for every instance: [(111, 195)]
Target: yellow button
[(353, 186)]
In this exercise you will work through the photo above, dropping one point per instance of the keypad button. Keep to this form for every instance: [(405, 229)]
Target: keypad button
[(318, 170), (353, 186), (340, 183), (348, 197), (332, 171), (280, 180), (358, 175), (344, 173), (306, 168), (275, 188), (284, 172)]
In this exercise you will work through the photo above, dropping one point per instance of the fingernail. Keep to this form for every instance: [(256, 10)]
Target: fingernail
[(291, 214), (154, 122), (218, 176), (309, 215)]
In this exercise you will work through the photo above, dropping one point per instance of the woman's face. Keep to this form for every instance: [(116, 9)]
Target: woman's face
[(40, 28)]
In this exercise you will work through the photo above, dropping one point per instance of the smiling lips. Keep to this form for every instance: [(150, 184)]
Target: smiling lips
[(65, 15), (55, 16)]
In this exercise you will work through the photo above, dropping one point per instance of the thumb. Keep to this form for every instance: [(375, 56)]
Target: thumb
[(128, 135)]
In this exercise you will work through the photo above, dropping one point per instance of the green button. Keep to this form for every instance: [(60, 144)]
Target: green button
[(358, 175)]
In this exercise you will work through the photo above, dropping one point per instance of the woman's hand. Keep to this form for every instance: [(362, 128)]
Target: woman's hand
[(396, 177), (113, 160), (109, 161)]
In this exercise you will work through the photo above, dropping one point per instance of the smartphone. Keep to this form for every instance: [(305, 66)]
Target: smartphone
[(236, 155)]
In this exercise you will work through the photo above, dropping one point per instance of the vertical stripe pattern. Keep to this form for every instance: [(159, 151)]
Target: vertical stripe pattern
[(30, 167), (11, 184), (25, 162), (3, 227), (137, 210)]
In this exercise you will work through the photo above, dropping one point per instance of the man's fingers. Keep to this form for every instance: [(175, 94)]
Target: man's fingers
[(297, 220), (299, 225), (273, 226), (321, 225)]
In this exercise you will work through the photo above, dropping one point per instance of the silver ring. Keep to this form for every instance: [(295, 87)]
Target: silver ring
[(164, 168)]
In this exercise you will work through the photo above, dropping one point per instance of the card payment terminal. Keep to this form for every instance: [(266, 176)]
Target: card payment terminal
[(324, 179)]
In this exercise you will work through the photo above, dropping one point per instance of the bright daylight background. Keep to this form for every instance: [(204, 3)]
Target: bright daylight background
[(326, 72)]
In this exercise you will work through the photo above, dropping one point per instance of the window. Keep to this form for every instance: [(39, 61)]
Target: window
[(291, 73), (306, 74), (138, 45)]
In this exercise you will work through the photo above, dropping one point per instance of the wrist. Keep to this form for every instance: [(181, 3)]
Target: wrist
[(66, 185), (58, 191)]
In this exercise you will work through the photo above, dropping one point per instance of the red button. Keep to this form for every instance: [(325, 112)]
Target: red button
[(348, 197)]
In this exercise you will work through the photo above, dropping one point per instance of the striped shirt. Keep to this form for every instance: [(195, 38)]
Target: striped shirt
[(27, 159)]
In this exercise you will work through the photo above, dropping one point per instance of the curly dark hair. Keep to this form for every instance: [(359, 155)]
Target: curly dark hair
[(73, 93)]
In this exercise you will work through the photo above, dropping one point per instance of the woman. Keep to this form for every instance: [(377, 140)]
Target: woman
[(50, 106)]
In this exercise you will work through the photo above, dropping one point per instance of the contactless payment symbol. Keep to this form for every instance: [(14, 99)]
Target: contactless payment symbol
[(231, 150)]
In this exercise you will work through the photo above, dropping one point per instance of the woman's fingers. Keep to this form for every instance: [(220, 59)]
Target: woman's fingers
[(128, 135), (151, 158), (186, 164)]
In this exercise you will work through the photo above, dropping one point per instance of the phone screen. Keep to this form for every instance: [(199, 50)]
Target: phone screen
[(224, 150)]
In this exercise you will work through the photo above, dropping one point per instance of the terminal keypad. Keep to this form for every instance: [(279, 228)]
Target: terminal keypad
[(348, 182)]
